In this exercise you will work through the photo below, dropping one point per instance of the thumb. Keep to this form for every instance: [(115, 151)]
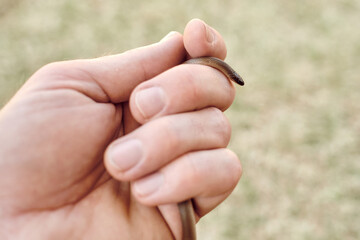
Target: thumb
[(112, 78)]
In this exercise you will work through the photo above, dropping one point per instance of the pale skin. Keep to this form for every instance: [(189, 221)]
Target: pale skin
[(105, 148)]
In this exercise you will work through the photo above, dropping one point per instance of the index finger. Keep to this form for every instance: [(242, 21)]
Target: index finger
[(112, 78)]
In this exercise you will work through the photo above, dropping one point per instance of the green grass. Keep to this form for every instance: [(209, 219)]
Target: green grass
[(296, 123)]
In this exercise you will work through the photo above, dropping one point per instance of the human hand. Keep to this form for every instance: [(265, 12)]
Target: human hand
[(158, 120)]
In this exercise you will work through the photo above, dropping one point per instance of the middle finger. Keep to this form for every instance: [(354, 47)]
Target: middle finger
[(181, 89), (158, 142)]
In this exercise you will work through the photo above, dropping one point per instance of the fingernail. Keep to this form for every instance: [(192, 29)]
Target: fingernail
[(127, 154), (150, 101), (169, 35), (148, 185), (210, 35)]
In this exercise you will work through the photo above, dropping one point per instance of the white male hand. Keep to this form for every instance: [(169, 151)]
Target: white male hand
[(105, 148)]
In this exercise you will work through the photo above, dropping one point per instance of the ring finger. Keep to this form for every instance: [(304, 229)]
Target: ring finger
[(206, 176)]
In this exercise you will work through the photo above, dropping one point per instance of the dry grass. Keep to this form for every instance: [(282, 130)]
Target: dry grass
[(296, 123)]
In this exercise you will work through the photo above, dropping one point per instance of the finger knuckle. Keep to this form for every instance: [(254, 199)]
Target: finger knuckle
[(64, 70), (195, 171), (234, 170), (54, 68), (189, 80), (170, 131), (229, 98), (221, 125)]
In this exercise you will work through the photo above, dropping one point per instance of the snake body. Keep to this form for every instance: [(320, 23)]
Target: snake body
[(186, 208)]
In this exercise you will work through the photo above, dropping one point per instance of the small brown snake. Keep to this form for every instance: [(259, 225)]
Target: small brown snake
[(186, 208)]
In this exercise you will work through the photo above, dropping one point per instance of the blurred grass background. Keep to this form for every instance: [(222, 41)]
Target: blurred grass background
[(296, 123)]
